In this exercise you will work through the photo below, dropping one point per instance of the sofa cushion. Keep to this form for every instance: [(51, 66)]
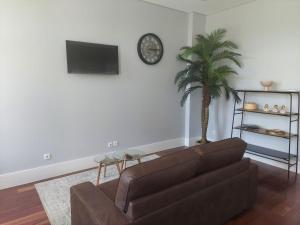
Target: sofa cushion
[(156, 175), (220, 153), (110, 189)]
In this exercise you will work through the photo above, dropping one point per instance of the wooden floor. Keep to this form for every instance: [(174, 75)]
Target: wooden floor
[(278, 202)]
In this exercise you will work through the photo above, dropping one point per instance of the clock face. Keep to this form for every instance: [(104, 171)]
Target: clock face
[(150, 49)]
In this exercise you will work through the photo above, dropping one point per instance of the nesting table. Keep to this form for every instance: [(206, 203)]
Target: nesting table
[(118, 159)]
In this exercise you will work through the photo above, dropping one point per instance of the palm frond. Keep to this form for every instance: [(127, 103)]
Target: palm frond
[(187, 93), (185, 81), (235, 95), (180, 74), (215, 91), (188, 52), (229, 45), (226, 88), (180, 57), (201, 38), (225, 70), (185, 47), (227, 55), (229, 90), (217, 35)]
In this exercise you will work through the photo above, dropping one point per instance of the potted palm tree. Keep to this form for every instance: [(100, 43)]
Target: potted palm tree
[(208, 65)]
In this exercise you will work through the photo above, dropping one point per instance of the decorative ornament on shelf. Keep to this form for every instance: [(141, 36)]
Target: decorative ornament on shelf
[(276, 132), (267, 108), (267, 84), (283, 109), (275, 109), (250, 106)]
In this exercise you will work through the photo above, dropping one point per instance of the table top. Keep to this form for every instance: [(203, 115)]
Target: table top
[(117, 156)]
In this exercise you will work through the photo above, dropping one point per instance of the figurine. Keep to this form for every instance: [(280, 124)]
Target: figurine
[(275, 109), (267, 84), (283, 109), (266, 108)]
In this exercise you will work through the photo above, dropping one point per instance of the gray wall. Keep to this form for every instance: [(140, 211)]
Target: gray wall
[(44, 109)]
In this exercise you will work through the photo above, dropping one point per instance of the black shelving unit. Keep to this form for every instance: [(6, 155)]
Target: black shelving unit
[(287, 158)]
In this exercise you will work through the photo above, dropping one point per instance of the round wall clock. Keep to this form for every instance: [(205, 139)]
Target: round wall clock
[(150, 49)]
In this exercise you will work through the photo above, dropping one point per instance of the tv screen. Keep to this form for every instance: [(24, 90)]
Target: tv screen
[(90, 58)]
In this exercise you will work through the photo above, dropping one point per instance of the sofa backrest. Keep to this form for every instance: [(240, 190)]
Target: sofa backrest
[(154, 176), (165, 198), (219, 154)]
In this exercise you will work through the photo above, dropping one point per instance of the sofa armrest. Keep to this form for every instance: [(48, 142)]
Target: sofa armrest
[(90, 206)]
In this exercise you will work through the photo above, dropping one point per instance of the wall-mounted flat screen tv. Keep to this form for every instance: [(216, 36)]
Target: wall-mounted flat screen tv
[(90, 58)]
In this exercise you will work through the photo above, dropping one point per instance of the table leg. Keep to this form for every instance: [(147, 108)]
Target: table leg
[(119, 169), (99, 172), (122, 165), (105, 170), (125, 162)]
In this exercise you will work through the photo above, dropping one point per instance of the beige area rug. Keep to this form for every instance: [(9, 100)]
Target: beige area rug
[(55, 194)]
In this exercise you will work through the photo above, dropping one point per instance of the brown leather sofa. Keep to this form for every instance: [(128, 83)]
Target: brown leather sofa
[(204, 185)]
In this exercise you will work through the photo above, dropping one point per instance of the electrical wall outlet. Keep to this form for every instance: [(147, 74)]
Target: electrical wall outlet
[(115, 143), (110, 144), (47, 156)]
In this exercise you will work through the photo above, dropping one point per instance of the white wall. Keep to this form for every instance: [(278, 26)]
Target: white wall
[(44, 109), (268, 33)]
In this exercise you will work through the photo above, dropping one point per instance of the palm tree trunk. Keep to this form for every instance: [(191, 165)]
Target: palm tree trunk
[(206, 99)]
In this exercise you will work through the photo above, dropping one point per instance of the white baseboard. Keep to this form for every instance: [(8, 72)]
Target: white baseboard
[(44, 172), (162, 145), (191, 141)]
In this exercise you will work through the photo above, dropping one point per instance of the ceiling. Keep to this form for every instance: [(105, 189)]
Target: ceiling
[(206, 7)]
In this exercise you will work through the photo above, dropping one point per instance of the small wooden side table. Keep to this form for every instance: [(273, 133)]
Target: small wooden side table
[(119, 159), (130, 157), (104, 162)]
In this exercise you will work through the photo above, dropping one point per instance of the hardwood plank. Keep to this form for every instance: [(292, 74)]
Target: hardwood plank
[(26, 188), (45, 222), (30, 219)]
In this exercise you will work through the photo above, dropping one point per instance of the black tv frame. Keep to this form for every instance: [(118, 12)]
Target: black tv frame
[(88, 44)]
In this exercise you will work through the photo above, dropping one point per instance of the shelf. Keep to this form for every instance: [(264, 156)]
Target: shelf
[(258, 150), (280, 156), (263, 131), (268, 113), (273, 92)]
